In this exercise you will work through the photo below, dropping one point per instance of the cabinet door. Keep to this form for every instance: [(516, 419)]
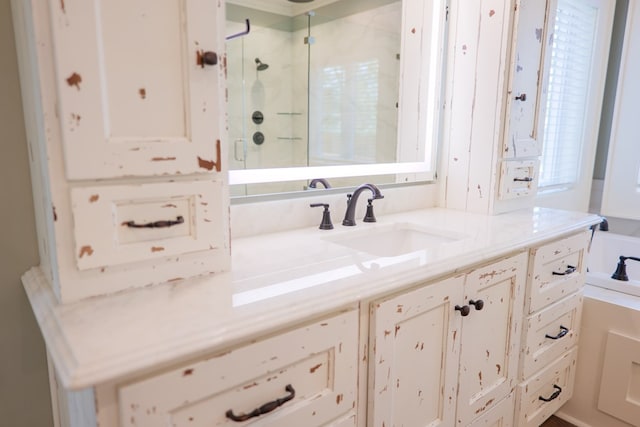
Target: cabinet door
[(525, 103), (490, 335), (414, 357), (135, 96)]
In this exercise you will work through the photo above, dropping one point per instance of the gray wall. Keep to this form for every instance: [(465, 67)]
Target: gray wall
[(24, 387), (608, 103)]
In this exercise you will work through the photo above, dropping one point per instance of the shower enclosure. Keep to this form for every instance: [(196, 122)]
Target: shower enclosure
[(315, 89)]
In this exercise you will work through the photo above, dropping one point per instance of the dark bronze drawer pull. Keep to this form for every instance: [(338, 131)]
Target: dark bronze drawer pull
[(553, 396), (570, 269), (526, 179), (266, 408), (156, 224), (563, 332)]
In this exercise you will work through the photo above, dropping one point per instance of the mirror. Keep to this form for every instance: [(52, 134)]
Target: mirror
[(344, 90)]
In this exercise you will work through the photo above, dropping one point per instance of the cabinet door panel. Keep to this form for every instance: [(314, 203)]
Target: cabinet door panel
[(133, 99), (491, 336), (526, 103), (414, 358)]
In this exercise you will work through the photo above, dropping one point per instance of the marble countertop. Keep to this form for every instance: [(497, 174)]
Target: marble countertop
[(277, 280)]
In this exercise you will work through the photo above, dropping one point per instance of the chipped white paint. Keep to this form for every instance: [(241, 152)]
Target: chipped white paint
[(101, 215), (530, 410), (68, 109), (133, 100), (318, 360), (501, 415), (518, 178), (566, 256), (489, 37), (526, 101), (538, 351), (491, 336), (413, 362)]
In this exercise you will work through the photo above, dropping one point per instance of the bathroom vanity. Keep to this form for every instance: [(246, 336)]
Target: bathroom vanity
[(481, 325), (427, 317)]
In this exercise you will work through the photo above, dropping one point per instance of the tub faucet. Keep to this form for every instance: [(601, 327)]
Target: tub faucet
[(352, 200), (621, 269)]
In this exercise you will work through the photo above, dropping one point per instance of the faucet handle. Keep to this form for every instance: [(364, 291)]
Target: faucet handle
[(369, 216), (326, 223)]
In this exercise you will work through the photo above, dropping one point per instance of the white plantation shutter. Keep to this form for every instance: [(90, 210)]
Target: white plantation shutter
[(574, 80), (568, 94)]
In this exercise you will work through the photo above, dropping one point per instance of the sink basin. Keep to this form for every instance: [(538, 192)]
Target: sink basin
[(394, 240)]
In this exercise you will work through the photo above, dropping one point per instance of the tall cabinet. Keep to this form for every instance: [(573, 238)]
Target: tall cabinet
[(495, 102), (124, 109)]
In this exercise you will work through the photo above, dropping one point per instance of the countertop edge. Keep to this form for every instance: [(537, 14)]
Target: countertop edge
[(76, 374)]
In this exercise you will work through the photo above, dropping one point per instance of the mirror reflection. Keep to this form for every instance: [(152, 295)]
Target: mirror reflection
[(314, 84)]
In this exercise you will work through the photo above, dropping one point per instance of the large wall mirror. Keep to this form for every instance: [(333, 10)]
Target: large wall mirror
[(344, 90)]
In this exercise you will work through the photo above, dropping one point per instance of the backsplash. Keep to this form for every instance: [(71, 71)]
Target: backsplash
[(248, 219)]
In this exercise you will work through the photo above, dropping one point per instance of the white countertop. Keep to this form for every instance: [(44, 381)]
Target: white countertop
[(277, 280)]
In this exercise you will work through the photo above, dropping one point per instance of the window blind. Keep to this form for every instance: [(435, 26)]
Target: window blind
[(567, 94)]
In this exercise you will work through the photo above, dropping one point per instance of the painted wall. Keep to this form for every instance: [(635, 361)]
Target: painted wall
[(24, 387)]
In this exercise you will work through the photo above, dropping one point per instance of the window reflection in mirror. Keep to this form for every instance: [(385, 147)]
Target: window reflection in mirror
[(313, 92)]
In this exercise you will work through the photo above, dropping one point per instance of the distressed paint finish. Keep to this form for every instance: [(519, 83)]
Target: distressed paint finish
[(530, 410), (500, 415), (477, 85), (414, 359), (538, 351), (49, 124), (137, 86), (101, 215), (491, 337), (319, 360), (527, 70), (545, 287)]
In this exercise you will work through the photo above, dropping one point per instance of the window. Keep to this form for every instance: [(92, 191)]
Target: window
[(568, 94)]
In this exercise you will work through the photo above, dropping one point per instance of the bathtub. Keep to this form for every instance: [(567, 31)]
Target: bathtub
[(605, 250)]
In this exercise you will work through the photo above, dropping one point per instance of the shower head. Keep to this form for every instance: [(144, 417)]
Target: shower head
[(261, 66)]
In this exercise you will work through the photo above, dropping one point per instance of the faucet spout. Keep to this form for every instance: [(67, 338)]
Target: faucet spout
[(349, 216)]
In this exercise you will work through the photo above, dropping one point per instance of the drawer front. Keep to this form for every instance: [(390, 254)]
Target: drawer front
[(518, 178), (501, 415), (128, 223), (315, 366), (549, 333), (554, 385), (557, 269)]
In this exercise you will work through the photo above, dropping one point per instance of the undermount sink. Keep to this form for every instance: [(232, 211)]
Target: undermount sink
[(395, 239)]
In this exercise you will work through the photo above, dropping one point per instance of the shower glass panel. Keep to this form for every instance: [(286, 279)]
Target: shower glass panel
[(315, 89)]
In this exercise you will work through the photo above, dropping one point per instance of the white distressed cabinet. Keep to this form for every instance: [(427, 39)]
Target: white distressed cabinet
[(124, 109), (551, 330), (448, 352)]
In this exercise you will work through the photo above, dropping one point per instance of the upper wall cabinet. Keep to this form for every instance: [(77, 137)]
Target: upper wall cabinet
[(524, 102), (138, 86)]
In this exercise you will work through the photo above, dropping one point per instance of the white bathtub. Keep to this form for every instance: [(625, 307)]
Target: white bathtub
[(603, 259)]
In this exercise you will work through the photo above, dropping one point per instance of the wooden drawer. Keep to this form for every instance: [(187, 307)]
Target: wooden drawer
[(113, 224), (549, 333), (556, 270), (554, 384), (518, 178), (501, 415), (319, 361)]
